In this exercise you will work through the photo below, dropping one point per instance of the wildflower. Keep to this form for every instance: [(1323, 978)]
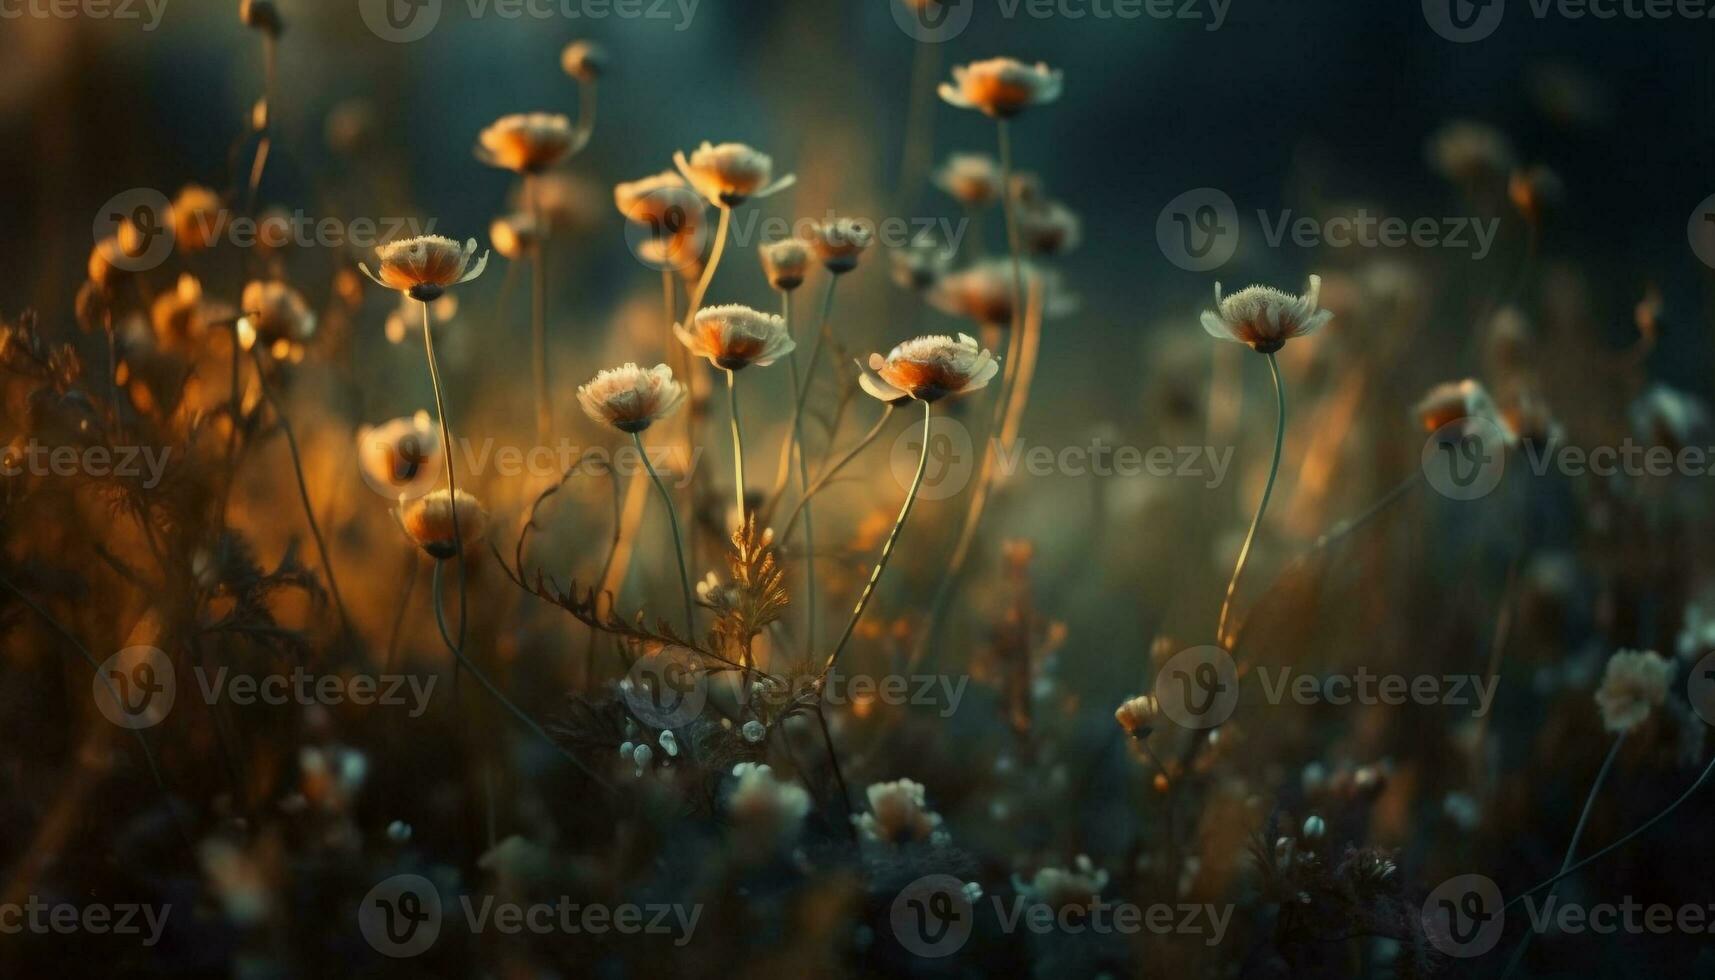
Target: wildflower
[(1001, 87), (424, 266), (261, 15), (401, 458), (929, 369), (839, 244), (513, 235), (1669, 417), (898, 814), (1528, 418), (921, 263), (1468, 151), (731, 173), (973, 179), (1076, 887), (983, 292), (429, 522), (1049, 228), (784, 263), (664, 203), (1137, 716), (564, 201), (1264, 317), (1460, 401), (526, 143), (585, 61), (274, 312), (734, 337), (765, 805), (631, 398), (197, 218), (1634, 683)]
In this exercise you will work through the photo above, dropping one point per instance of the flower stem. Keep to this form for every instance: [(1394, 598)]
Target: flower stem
[(539, 312), (1262, 506), (737, 443), (303, 489), (678, 542), (892, 539), (494, 692), (708, 276), (796, 435), (1571, 848), (823, 478), (451, 459)]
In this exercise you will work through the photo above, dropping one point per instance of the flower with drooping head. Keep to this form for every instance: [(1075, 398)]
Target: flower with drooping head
[(1049, 228), (764, 806), (929, 369), (401, 458), (1264, 317), (1466, 402), (784, 263), (898, 814), (734, 337), (425, 266), (527, 143), (429, 522), (921, 263), (585, 61), (274, 312), (973, 179), (663, 203), (731, 173), (513, 235), (1634, 682), (197, 218), (1137, 716), (631, 398), (1001, 87), (839, 243)]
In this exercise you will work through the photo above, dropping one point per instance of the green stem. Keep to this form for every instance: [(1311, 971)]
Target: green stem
[(1571, 848), (886, 549), (494, 692), (678, 542), (303, 489), (737, 443), (1262, 506), (451, 459)]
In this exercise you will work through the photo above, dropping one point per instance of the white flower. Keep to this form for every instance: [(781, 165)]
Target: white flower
[(429, 522), (973, 179), (1057, 888), (424, 266), (1264, 317), (527, 143), (731, 173), (1464, 401), (898, 814), (764, 805), (928, 369), (734, 337), (1634, 683), (1001, 87), (1669, 417), (631, 398)]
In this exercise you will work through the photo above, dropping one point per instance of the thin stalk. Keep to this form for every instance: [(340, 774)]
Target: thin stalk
[(411, 560), (1262, 506), (801, 392), (452, 488), (494, 692), (303, 488), (1013, 241), (892, 540), (678, 542), (539, 312), (839, 776), (737, 443), (702, 287), (823, 478), (797, 437), (1572, 847)]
